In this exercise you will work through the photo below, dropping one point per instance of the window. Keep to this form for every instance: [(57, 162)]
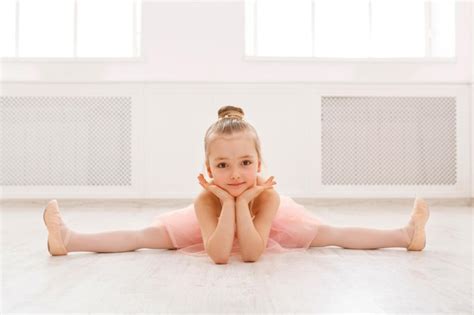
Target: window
[(350, 28), (70, 28)]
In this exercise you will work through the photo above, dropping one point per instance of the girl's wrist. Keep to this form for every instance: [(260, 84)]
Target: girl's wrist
[(228, 202), (241, 201)]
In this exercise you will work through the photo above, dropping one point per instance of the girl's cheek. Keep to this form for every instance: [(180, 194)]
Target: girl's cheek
[(219, 183), (252, 176)]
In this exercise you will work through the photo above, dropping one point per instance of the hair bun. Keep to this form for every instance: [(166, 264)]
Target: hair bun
[(230, 112)]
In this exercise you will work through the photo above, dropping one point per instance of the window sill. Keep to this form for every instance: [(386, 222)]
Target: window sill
[(430, 60), (73, 60)]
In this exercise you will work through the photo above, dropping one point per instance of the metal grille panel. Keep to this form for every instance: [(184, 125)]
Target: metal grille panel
[(388, 140), (60, 141)]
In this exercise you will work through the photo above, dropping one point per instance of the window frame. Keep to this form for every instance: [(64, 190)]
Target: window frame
[(251, 5), (138, 43)]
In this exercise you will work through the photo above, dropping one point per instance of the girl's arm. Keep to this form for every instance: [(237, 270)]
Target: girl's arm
[(250, 241), (219, 244), (218, 234), (253, 235)]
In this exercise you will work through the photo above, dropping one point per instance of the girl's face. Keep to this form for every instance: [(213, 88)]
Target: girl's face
[(233, 162)]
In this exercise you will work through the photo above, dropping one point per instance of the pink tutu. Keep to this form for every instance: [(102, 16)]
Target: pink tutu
[(293, 229)]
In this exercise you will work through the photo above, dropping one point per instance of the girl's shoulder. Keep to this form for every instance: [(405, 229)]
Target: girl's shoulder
[(207, 197)]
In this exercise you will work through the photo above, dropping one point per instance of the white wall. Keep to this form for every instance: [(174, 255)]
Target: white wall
[(198, 44), (472, 104), (204, 41), (169, 121)]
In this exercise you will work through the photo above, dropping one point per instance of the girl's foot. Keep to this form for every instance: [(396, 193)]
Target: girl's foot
[(58, 232), (416, 227)]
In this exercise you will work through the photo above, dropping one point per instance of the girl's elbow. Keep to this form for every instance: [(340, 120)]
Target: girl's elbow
[(220, 261), (252, 256), (218, 257), (250, 259)]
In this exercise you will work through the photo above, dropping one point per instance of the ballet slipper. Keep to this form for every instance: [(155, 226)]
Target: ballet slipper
[(54, 223), (419, 217)]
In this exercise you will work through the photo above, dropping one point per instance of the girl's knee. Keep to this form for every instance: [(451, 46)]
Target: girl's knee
[(156, 236), (325, 236)]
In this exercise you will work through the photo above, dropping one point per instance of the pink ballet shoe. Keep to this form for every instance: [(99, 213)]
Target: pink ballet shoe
[(419, 217), (52, 220)]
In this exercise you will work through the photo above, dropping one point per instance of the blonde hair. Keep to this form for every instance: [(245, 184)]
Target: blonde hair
[(230, 121)]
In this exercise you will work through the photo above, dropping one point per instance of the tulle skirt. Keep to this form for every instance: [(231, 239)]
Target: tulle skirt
[(293, 229)]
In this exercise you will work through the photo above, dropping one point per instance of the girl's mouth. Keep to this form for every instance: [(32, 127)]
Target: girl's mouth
[(235, 185)]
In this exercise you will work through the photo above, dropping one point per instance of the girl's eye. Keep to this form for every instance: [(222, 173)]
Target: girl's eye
[(249, 162)]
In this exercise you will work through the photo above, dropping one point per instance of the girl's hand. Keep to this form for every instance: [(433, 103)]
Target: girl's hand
[(223, 195), (249, 194)]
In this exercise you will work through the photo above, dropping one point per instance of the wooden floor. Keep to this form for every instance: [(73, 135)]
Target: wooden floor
[(321, 280)]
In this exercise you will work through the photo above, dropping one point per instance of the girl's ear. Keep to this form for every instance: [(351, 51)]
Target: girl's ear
[(259, 167)]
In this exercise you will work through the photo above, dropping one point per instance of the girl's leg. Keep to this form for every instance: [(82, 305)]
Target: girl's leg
[(412, 236), (154, 237), (360, 238)]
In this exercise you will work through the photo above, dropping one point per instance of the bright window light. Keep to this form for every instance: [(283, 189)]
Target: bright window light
[(70, 28), (350, 28), (46, 28), (284, 28), (7, 27), (105, 28), (398, 28)]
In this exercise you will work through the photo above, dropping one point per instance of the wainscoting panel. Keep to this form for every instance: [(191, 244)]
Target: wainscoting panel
[(146, 139)]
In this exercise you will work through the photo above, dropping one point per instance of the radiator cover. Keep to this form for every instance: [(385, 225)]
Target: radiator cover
[(385, 140), (61, 141)]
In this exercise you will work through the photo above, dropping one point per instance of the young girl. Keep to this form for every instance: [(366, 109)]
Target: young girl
[(237, 212)]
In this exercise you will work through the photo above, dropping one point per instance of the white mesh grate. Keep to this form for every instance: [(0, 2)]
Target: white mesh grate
[(388, 140), (65, 141)]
